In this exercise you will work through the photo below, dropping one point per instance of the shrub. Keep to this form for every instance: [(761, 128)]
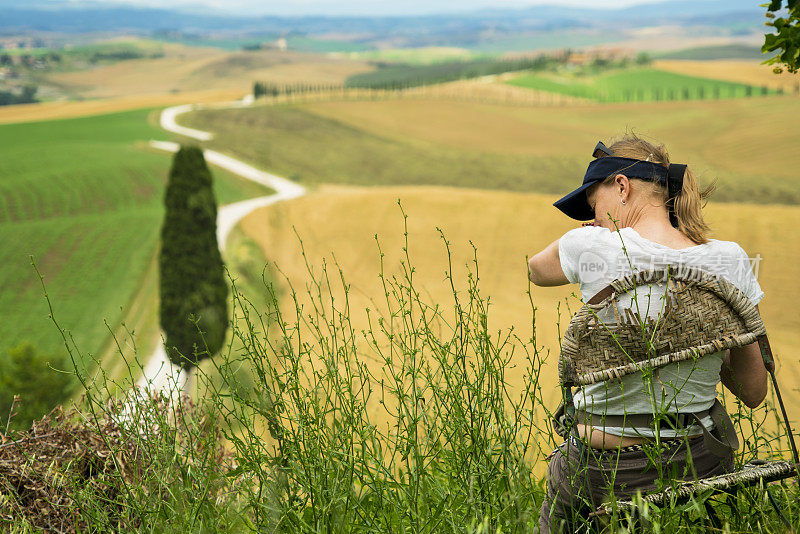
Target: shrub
[(31, 384), (26, 96)]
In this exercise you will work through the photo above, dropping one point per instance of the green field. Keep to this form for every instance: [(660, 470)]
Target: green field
[(637, 85), (401, 76), (83, 196)]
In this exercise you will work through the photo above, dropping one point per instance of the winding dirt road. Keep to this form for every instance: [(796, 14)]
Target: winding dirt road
[(158, 372)]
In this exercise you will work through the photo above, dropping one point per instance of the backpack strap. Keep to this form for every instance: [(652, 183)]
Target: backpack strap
[(601, 295)]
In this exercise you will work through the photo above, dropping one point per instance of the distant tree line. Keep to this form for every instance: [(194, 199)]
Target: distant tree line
[(266, 89), (121, 55), (274, 89), (699, 92), (115, 55), (640, 94), (88, 54), (29, 60), (394, 76), (27, 96)]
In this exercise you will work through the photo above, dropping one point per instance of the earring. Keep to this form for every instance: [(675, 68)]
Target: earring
[(622, 202)]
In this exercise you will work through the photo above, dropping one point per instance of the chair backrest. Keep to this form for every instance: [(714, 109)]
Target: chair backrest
[(699, 313)]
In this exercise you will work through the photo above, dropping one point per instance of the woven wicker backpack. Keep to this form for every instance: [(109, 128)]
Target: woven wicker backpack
[(700, 314)]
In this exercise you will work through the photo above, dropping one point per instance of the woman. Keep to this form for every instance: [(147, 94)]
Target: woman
[(646, 214)]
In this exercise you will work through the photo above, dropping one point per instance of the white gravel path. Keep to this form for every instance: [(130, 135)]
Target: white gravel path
[(168, 123), (158, 372)]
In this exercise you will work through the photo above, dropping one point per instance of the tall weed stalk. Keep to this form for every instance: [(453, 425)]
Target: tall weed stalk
[(407, 425)]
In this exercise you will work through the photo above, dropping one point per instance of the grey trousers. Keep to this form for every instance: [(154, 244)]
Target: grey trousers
[(580, 478)]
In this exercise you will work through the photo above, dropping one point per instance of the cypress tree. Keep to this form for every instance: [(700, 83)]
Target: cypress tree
[(193, 287)]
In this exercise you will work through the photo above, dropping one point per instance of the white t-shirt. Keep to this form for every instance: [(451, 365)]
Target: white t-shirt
[(592, 257)]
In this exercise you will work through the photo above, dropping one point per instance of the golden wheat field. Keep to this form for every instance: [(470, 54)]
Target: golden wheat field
[(341, 222), (734, 70), (735, 135)]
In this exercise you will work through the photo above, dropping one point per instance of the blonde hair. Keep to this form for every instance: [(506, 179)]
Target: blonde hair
[(689, 203)]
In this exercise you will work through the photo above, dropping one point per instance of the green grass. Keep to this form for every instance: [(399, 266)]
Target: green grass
[(92, 265), (83, 196), (640, 85)]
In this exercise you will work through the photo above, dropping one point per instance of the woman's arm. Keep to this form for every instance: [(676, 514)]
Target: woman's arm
[(544, 268), (744, 374)]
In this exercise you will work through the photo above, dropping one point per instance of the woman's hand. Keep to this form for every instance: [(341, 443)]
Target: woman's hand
[(544, 268)]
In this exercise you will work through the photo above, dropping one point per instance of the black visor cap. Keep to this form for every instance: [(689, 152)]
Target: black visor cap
[(575, 204)]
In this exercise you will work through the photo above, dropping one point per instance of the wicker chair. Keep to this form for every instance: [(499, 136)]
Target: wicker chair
[(700, 314)]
